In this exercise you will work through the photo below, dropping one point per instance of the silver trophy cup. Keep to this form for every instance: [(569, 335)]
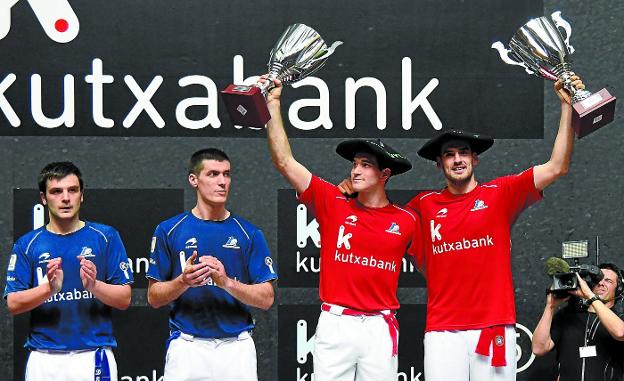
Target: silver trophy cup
[(298, 53), (541, 50)]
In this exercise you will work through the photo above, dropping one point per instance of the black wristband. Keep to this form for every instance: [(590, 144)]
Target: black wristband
[(593, 299)]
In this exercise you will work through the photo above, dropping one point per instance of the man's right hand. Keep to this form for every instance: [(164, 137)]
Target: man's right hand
[(55, 275), (195, 274), (583, 290), (273, 97)]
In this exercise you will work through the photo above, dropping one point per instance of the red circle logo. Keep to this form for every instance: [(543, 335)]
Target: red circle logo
[(61, 25)]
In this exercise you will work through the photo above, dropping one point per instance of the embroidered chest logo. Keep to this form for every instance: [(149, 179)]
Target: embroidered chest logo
[(191, 243), (232, 243), (478, 205), (394, 229), (351, 220), (442, 213), (44, 258), (86, 252)]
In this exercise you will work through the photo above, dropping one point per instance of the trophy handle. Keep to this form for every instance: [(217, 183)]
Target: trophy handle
[(505, 55), (328, 52), (561, 23)]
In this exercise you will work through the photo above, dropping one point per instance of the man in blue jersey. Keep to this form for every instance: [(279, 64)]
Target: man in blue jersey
[(69, 274), (211, 265)]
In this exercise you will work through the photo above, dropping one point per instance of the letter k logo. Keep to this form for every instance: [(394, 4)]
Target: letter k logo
[(343, 239), (435, 231), (58, 19)]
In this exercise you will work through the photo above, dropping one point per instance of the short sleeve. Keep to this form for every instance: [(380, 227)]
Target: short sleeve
[(119, 271), (519, 192), (19, 272), (414, 204), (319, 196), (262, 268), (160, 257), (416, 248)]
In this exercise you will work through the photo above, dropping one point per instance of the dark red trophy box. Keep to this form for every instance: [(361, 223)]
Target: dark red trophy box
[(246, 105), (593, 112)]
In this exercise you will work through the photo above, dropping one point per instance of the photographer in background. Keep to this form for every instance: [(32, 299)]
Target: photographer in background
[(588, 337)]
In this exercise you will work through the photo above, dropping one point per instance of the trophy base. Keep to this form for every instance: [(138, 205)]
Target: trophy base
[(593, 113), (246, 105)]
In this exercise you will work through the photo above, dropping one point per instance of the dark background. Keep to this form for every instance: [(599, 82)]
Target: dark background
[(447, 40), (153, 38)]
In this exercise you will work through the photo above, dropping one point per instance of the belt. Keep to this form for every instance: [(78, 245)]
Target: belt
[(185, 336), (62, 351), (388, 316), (241, 336), (495, 336)]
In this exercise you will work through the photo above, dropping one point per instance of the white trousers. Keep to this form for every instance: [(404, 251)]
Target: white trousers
[(193, 359), (353, 348), (67, 366), (450, 355)]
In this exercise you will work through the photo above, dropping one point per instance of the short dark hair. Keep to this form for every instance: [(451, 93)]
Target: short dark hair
[(377, 162), (195, 163), (57, 171), (457, 144), (612, 267)]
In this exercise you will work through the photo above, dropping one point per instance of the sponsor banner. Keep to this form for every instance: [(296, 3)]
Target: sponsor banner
[(133, 212), (127, 68), (141, 334), (298, 237)]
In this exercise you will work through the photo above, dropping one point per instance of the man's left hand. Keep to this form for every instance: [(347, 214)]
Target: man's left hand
[(217, 270), (88, 273), (563, 94)]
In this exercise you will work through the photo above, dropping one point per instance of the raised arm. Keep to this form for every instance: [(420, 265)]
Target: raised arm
[(296, 174), (542, 342), (609, 319), (559, 163)]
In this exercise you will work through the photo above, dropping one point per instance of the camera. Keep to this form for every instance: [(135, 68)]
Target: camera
[(568, 280), (564, 276)]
